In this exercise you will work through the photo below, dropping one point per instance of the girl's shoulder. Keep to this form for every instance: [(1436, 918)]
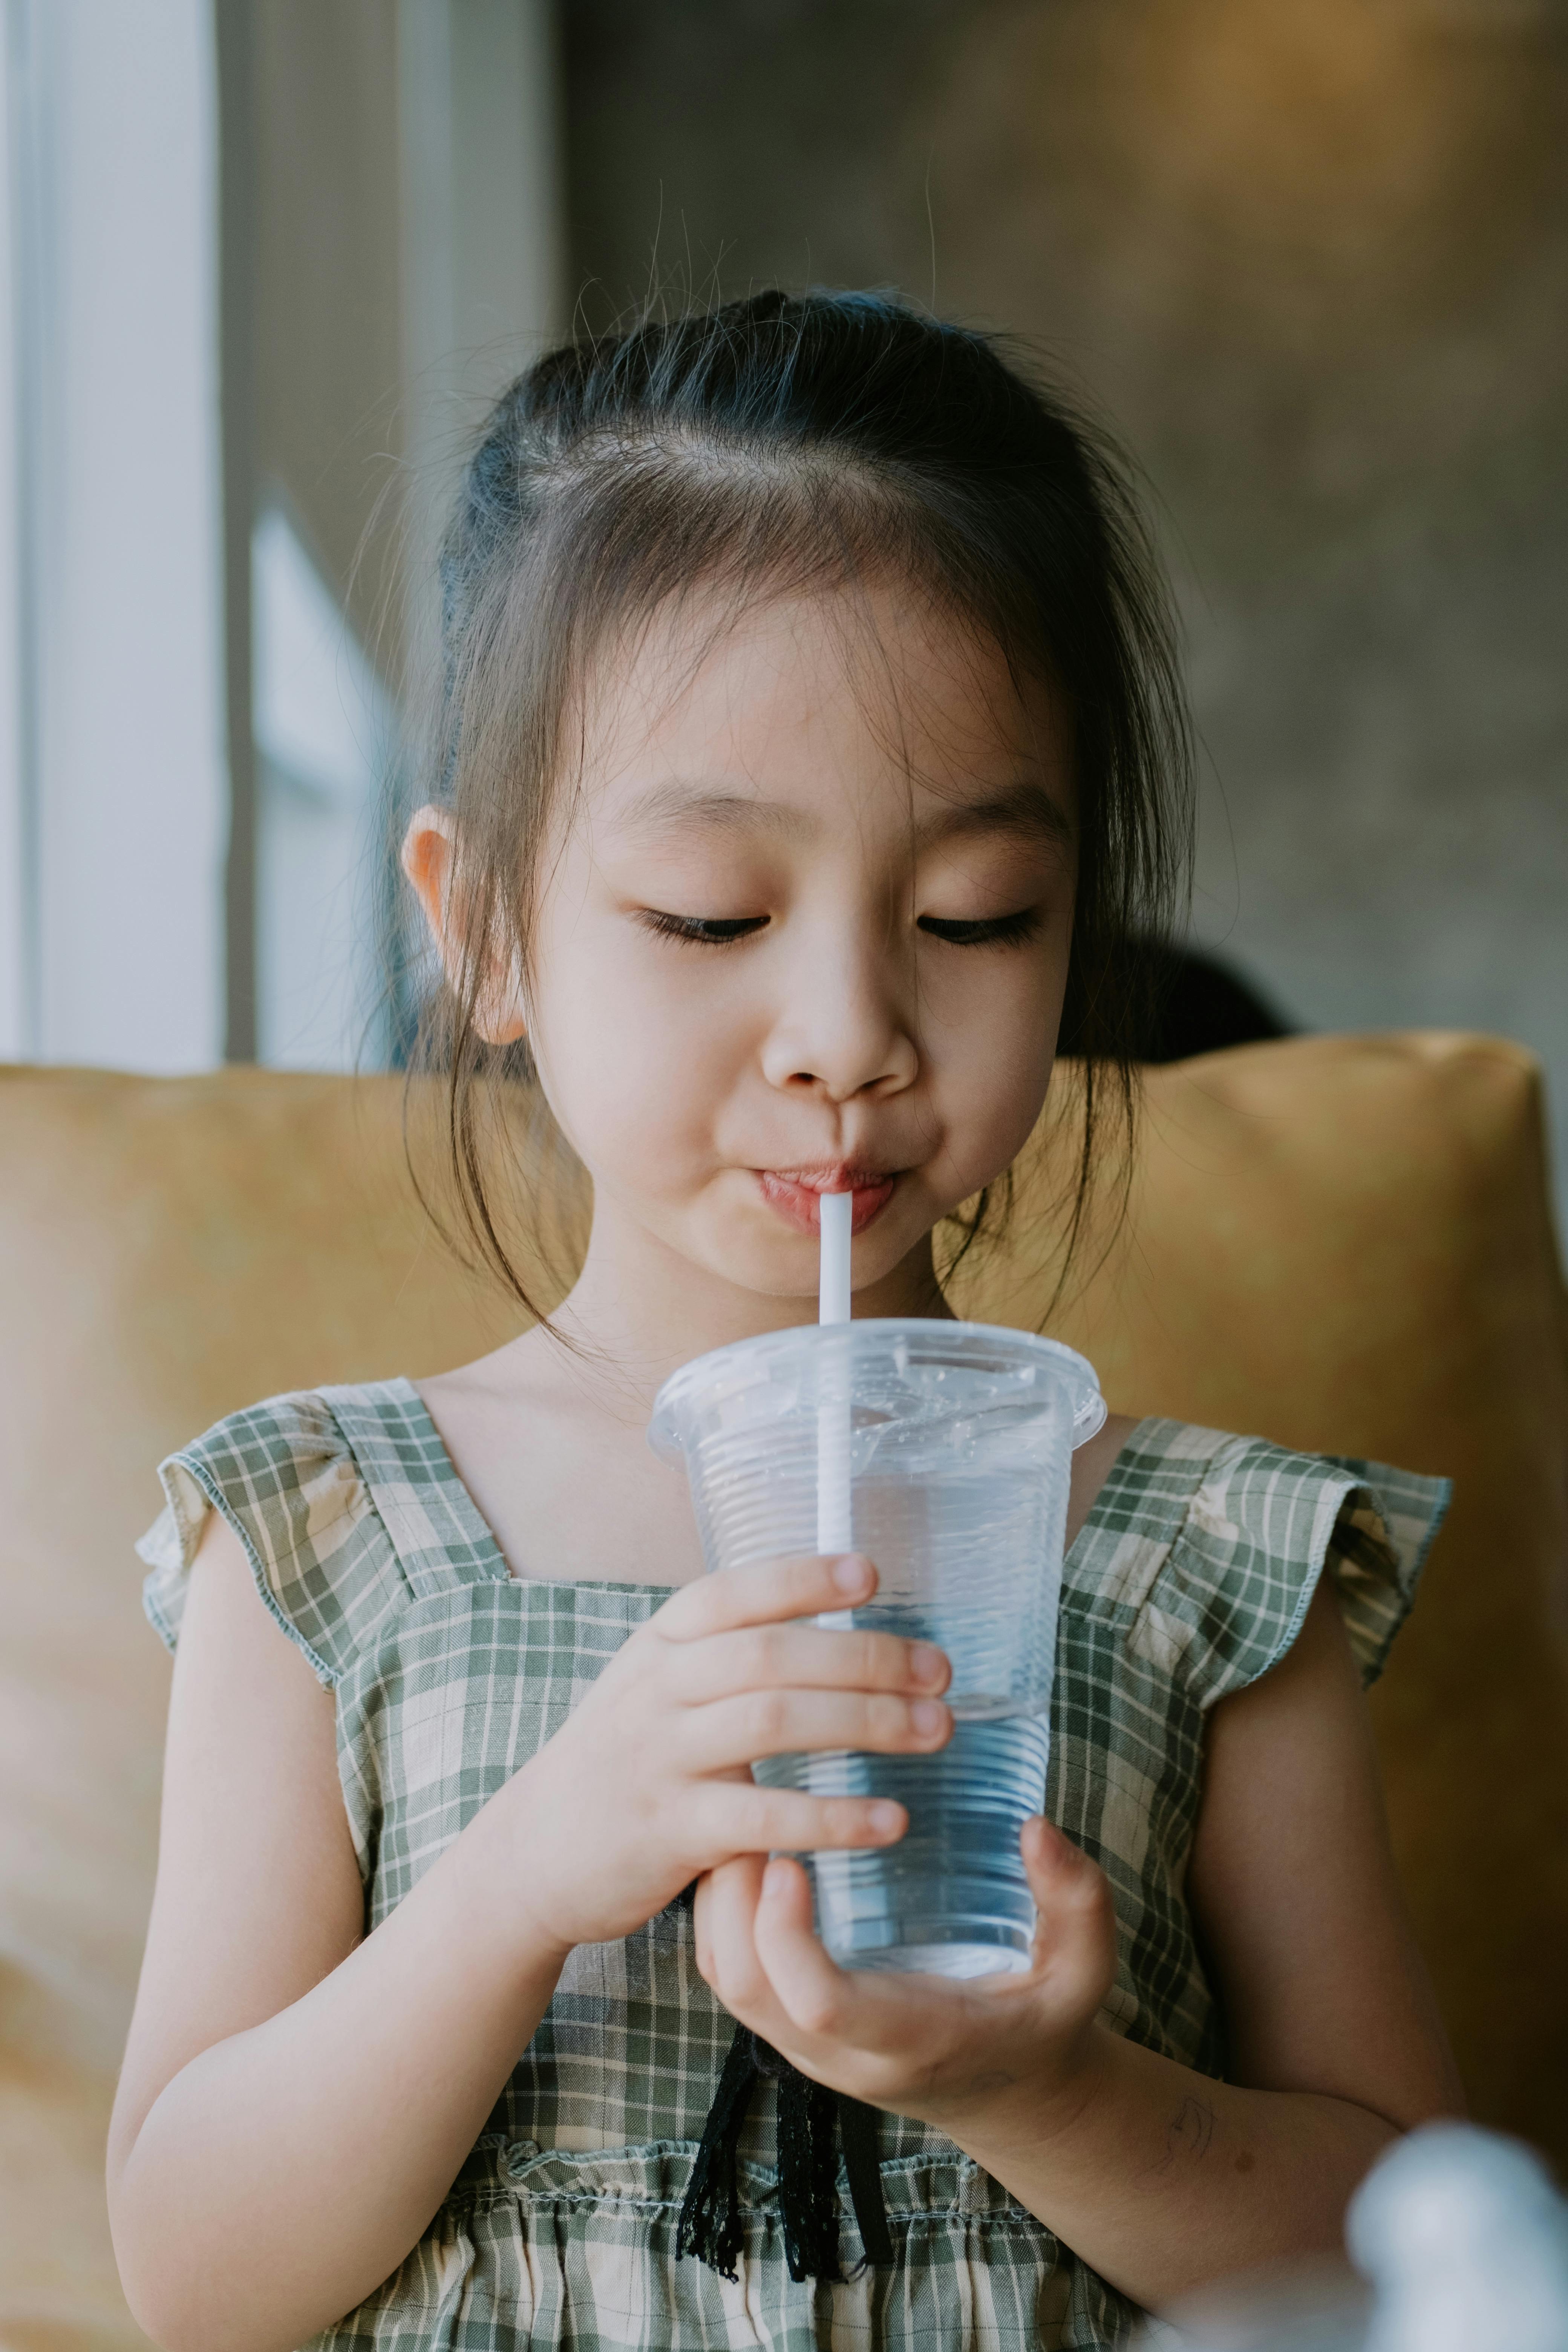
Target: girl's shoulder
[(346, 1505), (1202, 1553)]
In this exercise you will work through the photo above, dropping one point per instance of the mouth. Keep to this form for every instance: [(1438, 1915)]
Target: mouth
[(796, 1193)]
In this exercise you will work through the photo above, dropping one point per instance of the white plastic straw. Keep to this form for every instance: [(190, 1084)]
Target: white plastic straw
[(838, 1210), (835, 1776), (834, 1516)]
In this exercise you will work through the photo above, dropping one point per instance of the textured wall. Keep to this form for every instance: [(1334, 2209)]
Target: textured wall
[(1312, 258)]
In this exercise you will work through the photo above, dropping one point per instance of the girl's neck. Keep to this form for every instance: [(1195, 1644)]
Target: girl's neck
[(647, 1309)]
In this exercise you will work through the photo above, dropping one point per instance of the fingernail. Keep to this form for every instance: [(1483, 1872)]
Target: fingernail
[(927, 1663), (927, 1715), (849, 1573), (887, 1819)]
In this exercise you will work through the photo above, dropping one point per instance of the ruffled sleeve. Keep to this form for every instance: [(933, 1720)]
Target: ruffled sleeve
[(1378, 1549), (284, 1477), (1261, 1530)]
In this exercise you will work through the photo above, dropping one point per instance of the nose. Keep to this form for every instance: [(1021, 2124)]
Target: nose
[(843, 1025)]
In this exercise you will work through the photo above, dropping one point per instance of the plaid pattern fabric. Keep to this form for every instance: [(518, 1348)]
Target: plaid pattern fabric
[(1190, 1579)]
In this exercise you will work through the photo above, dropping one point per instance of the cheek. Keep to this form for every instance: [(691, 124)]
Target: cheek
[(633, 1069), (998, 1062)]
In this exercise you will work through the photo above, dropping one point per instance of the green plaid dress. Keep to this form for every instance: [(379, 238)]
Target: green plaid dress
[(1191, 1579)]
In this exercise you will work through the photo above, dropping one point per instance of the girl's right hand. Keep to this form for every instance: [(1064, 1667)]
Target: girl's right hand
[(648, 1783)]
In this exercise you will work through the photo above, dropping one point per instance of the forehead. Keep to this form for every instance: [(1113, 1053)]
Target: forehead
[(788, 701)]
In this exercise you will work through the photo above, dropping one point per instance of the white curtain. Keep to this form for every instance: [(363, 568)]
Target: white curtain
[(113, 785)]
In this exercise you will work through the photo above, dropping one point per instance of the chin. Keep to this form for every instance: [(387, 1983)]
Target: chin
[(787, 1265), (767, 1268)]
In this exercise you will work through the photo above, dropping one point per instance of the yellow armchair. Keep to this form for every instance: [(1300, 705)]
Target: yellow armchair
[(1342, 1244)]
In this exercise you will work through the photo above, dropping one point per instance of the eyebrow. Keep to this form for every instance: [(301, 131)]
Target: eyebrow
[(679, 808), (1025, 811)]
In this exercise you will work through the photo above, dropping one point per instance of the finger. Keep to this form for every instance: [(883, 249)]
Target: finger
[(768, 1594), (1060, 1874), (737, 1817), (814, 1995), (1075, 1937), (726, 1897), (848, 2020), (733, 1970), (701, 1912), (838, 2025), (753, 1723), (774, 1657)]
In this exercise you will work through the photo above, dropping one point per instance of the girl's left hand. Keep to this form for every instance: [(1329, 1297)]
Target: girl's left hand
[(968, 2056)]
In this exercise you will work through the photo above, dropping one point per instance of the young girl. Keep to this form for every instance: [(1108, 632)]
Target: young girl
[(809, 753)]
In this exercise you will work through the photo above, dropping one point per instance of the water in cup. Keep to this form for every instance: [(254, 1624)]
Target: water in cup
[(957, 1440)]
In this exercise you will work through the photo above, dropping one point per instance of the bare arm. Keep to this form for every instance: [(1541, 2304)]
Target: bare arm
[(299, 2098), (1164, 2178), (1157, 2176), (1293, 1885)]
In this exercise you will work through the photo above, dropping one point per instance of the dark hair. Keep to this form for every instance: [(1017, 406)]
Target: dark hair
[(795, 442)]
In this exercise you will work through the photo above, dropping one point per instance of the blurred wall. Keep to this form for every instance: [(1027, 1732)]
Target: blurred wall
[(1312, 258)]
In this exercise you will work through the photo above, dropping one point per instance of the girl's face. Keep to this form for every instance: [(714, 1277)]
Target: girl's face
[(804, 928)]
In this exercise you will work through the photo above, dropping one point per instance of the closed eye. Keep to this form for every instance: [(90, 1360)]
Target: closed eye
[(706, 930), (996, 931)]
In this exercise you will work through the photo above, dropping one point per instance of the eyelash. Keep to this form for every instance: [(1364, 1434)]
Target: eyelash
[(704, 930), (1001, 931), (724, 932)]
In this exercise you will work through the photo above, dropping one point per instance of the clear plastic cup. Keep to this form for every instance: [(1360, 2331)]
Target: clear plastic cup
[(942, 1451)]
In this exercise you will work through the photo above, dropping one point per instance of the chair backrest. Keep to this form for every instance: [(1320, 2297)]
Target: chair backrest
[(1346, 1244), (1342, 1244), (169, 1249)]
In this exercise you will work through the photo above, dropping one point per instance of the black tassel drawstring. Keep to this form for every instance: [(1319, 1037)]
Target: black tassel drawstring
[(711, 2225), (857, 2130), (810, 2119), (808, 2173)]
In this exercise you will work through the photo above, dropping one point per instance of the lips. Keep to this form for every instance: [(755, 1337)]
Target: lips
[(796, 1193)]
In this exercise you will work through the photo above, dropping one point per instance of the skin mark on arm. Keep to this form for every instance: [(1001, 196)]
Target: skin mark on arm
[(1189, 2133), (989, 2083)]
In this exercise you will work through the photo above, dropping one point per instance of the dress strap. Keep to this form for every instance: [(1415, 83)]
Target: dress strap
[(346, 1505), (435, 1527)]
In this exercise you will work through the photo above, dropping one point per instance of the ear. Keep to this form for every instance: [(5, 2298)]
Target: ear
[(429, 858)]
